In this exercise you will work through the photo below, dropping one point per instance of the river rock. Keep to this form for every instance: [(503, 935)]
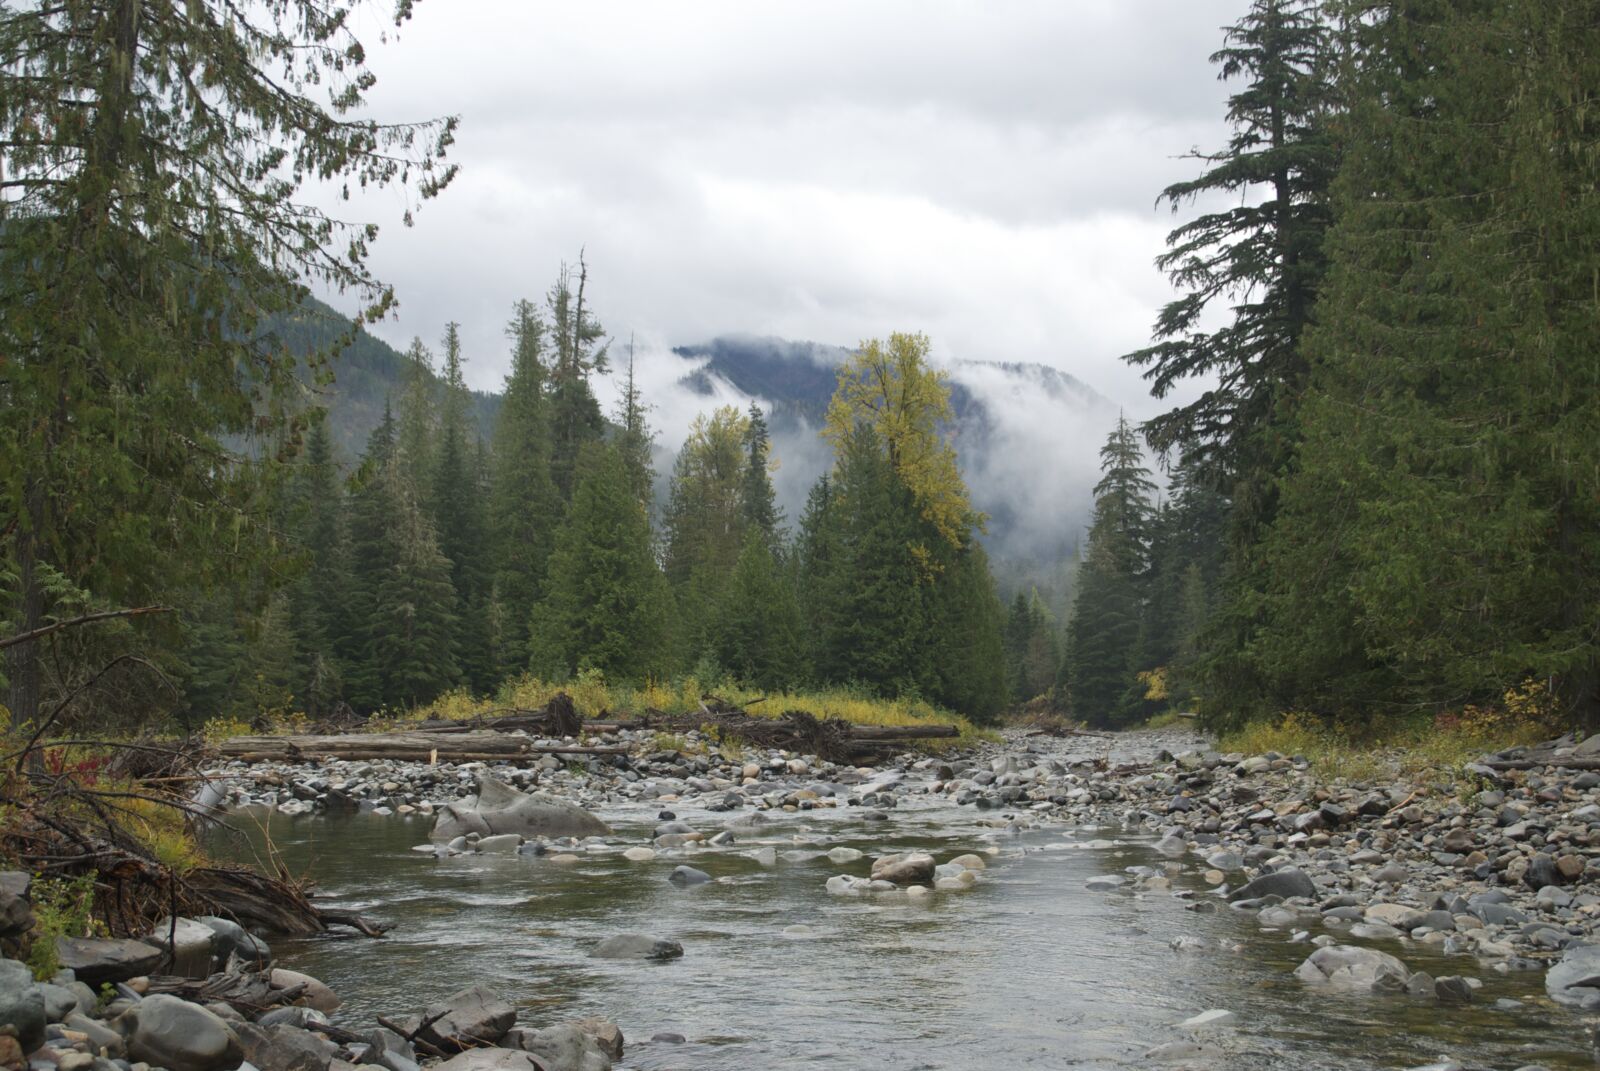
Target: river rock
[(16, 913), (1575, 980), (175, 1034), (21, 1003), (909, 868), (639, 855), (497, 844), (607, 1035), (1284, 883), (1352, 967), (1396, 915), (476, 1015), (101, 1037), (490, 1060), (315, 995), (95, 960), (970, 862), (688, 875), (195, 946), (501, 810), (844, 855), (1211, 1018), (282, 1047), (637, 946), (565, 1047), (234, 940)]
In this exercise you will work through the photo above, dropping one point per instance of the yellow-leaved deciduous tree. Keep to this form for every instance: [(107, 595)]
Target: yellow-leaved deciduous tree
[(891, 388)]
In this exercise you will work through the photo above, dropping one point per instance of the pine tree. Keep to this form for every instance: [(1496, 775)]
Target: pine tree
[(755, 634), (524, 504), (1264, 258), (320, 598), (1104, 629), (635, 440), (150, 223), (575, 418), (969, 654), (1437, 539), (418, 428), (704, 522), (607, 601), (457, 511), (412, 643), (757, 500), (816, 567)]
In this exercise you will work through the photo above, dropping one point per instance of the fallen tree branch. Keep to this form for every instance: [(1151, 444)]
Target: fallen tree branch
[(84, 619)]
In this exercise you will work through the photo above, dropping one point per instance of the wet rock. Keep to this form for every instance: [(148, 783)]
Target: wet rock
[(21, 1003), (172, 1033), (1575, 980), (607, 1035), (1351, 967), (16, 912), (314, 994), (1285, 883), (565, 1047), (282, 1047), (501, 809), (101, 1038), (476, 1015), (1212, 1018), (1453, 989), (637, 946), (1397, 915), (906, 869), (490, 1060), (234, 940), (191, 946), (688, 875), (96, 960)]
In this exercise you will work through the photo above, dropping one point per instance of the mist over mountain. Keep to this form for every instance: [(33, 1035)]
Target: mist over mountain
[(1027, 435)]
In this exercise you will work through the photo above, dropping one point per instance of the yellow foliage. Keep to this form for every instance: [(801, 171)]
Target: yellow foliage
[(1155, 684), (217, 730), (892, 389)]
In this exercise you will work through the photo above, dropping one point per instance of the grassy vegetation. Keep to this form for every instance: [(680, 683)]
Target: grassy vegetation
[(1439, 745), (596, 698)]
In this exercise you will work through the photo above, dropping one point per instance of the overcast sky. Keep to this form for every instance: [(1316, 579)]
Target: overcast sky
[(984, 172)]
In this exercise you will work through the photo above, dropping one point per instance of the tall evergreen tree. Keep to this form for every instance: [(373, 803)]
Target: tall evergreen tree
[(524, 503), (574, 413), (1104, 628), (757, 499), (150, 222), (458, 515), (635, 440), (320, 598), (756, 632), (704, 522), (816, 566), (1264, 258), (607, 602), (1437, 541), (417, 430)]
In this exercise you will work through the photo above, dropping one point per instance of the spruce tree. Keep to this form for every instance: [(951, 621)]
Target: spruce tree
[(457, 511), (320, 598), (575, 418), (607, 602), (704, 522), (412, 642), (755, 634), (757, 500), (524, 504), (816, 568), (1263, 258), (969, 652), (635, 440)]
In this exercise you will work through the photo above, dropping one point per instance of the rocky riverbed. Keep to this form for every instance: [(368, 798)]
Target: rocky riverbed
[(1434, 894)]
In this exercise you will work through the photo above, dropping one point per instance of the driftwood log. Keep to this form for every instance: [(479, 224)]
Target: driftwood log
[(417, 745)]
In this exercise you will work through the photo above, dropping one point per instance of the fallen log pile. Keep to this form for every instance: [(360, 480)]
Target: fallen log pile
[(513, 735)]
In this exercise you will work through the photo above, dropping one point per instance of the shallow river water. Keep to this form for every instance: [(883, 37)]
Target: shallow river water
[(1027, 969)]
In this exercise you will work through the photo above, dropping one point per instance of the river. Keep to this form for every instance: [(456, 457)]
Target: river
[(1027, 969)]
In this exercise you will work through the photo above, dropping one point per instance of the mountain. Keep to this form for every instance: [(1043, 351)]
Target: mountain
[(367, 373)]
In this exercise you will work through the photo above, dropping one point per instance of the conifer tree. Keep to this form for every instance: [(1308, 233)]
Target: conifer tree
[(1104, 628), (574, 413), (458, 515), (412, 642), (320, 598), (635, 440), (607, 602), (816, 566), (1264, 258), (756, 632), (524, 503), (417, 430), (704, 522), (757, 499), (969, 654)]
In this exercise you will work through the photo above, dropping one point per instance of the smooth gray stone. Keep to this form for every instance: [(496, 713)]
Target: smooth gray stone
[(22, 1005), (168, 1032), (637, 946)]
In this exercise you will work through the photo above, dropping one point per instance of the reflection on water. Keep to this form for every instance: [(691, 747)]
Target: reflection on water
[(1027, 969)]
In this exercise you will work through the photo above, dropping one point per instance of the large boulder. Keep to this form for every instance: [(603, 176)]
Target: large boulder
[(21, 1004), (501, 809), (474, 1016), (282, 1047), (314, 994), (637, 946), (1285, 883), (96, 960), (1353, 967), (565, 1047), (1575, 980), (165, 1031)]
